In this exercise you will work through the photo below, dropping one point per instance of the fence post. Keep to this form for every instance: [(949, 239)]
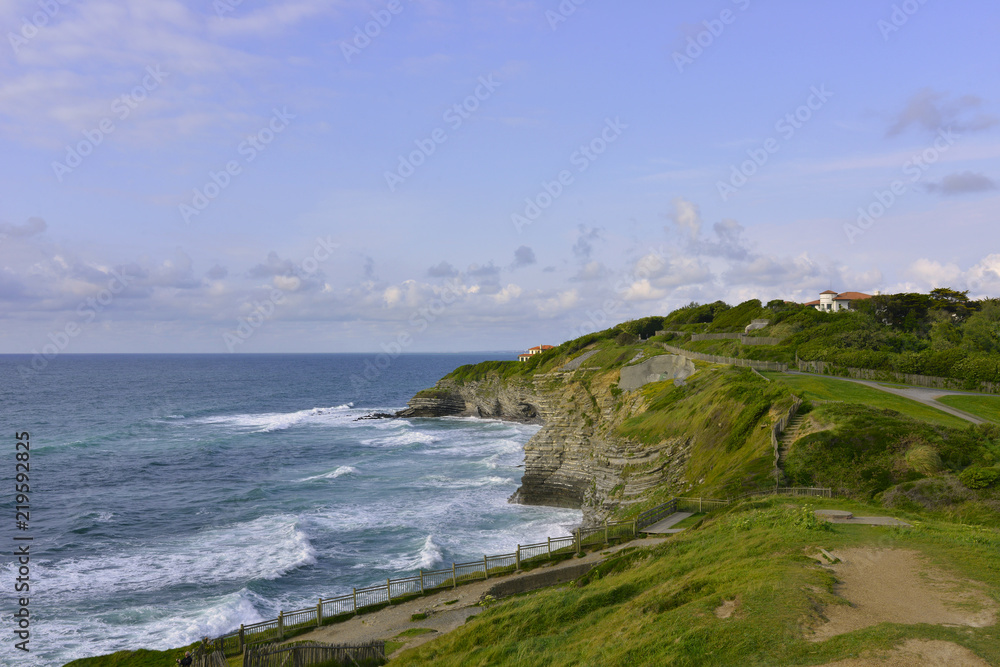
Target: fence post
[(635, 527), (421, 582), (486, 569), (241, 638), (454, 577), (355, 593), (579, 540), (550, 547), (388, 589), (517, 557), (281, 625), (699, 505), (319, 613)]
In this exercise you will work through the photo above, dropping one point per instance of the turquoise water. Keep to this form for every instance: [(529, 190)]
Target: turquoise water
[(179, 496)]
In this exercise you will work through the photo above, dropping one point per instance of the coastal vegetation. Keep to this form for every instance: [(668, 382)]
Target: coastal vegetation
[(942, 334), (745, 588), (748, 584)]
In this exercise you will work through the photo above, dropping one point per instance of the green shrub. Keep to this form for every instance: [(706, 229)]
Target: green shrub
[(977, 477), (923, 459)]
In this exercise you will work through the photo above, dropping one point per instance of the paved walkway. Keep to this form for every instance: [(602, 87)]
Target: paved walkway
[(924, 395), (666, 526)]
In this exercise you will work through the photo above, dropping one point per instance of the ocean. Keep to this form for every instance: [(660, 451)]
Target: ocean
[(177, 496)]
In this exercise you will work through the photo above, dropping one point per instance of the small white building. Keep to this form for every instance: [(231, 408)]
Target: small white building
[(538, 349), (832, 302)]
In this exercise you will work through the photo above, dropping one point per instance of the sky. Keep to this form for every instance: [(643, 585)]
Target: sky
[(423, 176)]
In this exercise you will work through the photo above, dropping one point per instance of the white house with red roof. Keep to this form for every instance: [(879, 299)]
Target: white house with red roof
[(831, 302), (533, 351)]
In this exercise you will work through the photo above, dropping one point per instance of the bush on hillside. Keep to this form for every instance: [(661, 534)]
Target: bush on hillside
[(978, 477)]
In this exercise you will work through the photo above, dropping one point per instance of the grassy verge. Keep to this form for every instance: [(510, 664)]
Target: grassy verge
[(986, 407), (692, 520), (813, 387), (656, 606), (138, 658)]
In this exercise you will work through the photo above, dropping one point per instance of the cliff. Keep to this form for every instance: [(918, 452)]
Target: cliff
[(595, 450)]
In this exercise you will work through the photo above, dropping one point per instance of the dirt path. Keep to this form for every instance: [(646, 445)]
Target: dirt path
[(918, 652), (446, 610), (900, 586)]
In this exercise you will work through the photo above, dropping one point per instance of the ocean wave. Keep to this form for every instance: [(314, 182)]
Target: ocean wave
[(442, 482), (266, 548), (430, 554), (334, 474), (279, 421), (401, 440)]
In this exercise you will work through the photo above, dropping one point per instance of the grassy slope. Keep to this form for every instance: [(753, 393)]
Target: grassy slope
[(656, 606), (987, 407), (721, 409), (812, 387), (138, 658)]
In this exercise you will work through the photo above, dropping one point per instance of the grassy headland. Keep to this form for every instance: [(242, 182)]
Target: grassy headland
[(662, 606)]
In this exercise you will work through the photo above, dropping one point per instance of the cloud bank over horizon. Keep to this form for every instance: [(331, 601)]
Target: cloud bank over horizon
[(331, 176)]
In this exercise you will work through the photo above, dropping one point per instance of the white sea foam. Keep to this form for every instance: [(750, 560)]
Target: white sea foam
[(279, 421), (265, 548), (333, 474), (401, 440), (429, 556)]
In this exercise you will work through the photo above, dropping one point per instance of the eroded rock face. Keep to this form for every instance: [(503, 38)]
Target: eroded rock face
[(575, 460), (658, 369)]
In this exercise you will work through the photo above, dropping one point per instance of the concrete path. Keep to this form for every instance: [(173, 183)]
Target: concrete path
[(666, 526), (924, 395)]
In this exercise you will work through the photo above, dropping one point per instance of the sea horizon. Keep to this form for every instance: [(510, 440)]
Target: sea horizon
[(177, 496)]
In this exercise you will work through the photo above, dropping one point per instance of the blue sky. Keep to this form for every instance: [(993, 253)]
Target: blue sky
[(266, 177)]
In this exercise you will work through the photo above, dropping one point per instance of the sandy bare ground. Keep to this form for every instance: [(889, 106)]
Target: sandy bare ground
[(900, 586), (918, 652), (446, 610)]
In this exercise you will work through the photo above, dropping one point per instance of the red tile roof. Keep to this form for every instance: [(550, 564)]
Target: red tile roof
[(829, 291), (852, 296), (812, 303)]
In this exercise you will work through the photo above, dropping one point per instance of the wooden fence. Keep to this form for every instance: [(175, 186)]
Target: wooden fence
[(760, 340), (717, 336), (700, 505), (213, 659), (730, 361), (425, 581), (809, 491), (313, 653), (658, 513), (930, 381), (395, 590)]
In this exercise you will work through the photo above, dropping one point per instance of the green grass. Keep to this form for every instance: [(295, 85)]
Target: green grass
[(986, 407), (137, 658), (723, 409), (812, 387), (414, 632), (691, 520), (654, 606)]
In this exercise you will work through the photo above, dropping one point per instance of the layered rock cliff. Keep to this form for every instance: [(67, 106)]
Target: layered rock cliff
[(575, 460)]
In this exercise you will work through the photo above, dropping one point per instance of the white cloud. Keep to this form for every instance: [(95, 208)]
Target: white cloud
[(687, 216)]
